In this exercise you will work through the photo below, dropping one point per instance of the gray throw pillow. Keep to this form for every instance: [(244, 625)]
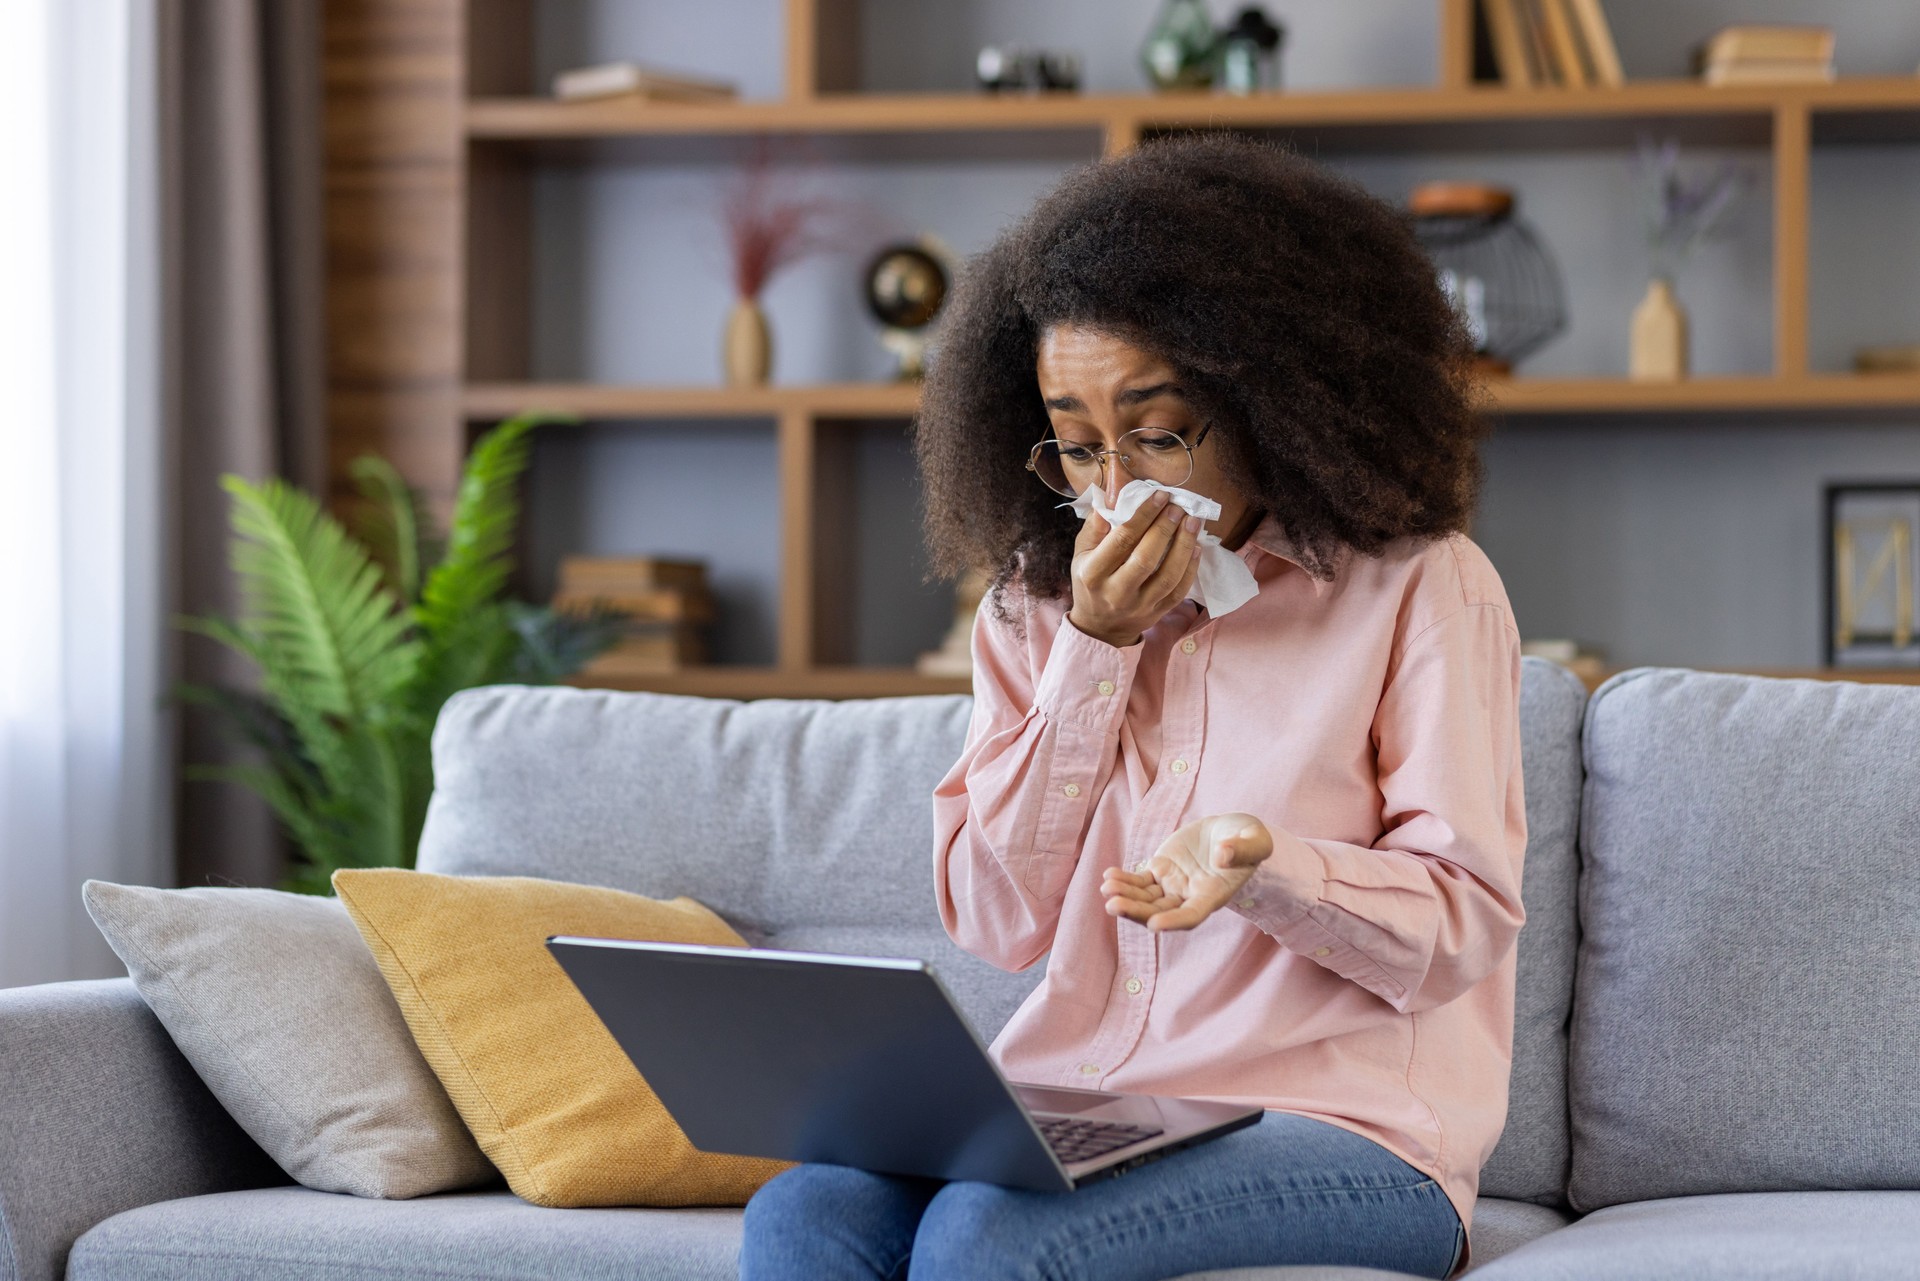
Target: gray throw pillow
[(278, 1004)]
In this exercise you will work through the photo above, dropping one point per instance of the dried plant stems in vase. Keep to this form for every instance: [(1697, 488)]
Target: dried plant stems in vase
[(1682, 212), (767, 231)]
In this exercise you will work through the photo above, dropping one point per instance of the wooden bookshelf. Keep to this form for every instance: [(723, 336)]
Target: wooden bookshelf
[(435, 131)]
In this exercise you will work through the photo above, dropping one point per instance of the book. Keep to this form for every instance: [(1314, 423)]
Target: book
[(1598, 38), (1560, 39), (662, 648), (1798, 42), (1509, 43), (1888, 360), (631, 573), (614, 79), (1767, 73), (1539, 52), (656, 604)]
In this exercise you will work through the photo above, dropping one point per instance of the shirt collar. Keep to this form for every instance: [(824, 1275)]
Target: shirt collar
[(1270, 536)]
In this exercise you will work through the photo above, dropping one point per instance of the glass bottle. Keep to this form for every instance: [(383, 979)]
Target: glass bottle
[(1180, 47)]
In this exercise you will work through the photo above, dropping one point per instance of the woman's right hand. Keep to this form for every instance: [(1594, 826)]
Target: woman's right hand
[(1126, 577)]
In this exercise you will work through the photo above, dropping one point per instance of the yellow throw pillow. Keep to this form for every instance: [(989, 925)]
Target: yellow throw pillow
[(548, 1093)]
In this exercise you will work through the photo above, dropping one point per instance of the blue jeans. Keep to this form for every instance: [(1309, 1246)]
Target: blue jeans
[(1290, 1189)]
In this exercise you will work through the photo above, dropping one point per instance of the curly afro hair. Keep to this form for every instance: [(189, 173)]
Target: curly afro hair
[(1301, 317)]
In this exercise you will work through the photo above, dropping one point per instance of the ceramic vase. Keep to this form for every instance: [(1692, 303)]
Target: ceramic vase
[(747, 353), (1658, 351)]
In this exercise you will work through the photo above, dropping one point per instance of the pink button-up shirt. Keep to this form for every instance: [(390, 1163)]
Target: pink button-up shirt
[(1365, 975)]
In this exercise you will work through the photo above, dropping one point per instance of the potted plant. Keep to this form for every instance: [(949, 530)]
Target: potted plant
[(359, 640), (1682, 212)]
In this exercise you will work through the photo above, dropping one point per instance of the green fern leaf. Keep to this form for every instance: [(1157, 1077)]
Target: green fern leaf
[(480, 541), (327, 632), (391, 523)]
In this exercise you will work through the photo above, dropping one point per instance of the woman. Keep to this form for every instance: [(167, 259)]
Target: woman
[(1275, 853)]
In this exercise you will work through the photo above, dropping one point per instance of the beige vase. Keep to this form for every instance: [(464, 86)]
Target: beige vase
[(747, 353), (1659, 346)]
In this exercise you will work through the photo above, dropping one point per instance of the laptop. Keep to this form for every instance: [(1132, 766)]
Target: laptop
[(861, 1061)]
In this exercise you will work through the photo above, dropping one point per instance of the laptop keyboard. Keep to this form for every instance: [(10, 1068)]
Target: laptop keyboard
[(1075, 1139)]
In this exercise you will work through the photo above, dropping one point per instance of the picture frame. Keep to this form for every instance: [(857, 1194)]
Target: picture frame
[(1871, 578)]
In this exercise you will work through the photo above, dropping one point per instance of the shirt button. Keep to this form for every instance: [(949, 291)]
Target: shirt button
[(1071, 789), (1106, 687), (1246, 902), (1133, 987), (1180, 766), (1187, 645), (1321, 951), (1089, 1069)]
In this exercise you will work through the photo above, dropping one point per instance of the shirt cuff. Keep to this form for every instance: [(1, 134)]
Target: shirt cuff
[(1086, 680), (1285, 886)]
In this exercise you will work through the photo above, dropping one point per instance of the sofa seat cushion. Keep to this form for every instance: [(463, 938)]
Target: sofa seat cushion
[(284, 1233), (1739, 1236), (1499, 1227)]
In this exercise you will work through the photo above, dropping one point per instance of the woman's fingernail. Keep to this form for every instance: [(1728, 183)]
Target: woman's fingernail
[(1193, 524)]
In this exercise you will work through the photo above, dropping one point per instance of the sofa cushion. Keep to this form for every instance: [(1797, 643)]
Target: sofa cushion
[(278, 1234), (805, 823), (1754, 1236), (1745, 1017), (1530, 1161), (281, 1010), (547, 1091)]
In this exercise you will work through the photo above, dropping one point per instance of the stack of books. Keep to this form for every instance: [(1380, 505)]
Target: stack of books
[(667, 603), (1550, 42), (1766, 55)]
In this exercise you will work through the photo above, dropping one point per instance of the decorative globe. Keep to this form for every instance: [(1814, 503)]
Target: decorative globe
[(905, 286)]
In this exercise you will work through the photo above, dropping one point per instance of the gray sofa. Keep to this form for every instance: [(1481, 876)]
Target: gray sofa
[(1717, 1044)]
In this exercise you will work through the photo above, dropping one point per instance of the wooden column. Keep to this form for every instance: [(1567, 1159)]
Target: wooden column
[(823, 48), (394, 137), (796, 453), (1792, 161)]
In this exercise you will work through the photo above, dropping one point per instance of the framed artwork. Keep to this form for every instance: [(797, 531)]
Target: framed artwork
[(1872, 573)]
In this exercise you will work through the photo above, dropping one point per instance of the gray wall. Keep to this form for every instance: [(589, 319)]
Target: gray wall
[(1662, 541)]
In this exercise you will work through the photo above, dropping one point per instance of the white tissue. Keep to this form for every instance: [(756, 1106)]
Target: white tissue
[(1223, 582)]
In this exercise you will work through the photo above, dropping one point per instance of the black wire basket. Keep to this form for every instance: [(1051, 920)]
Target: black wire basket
[(1493, 267)]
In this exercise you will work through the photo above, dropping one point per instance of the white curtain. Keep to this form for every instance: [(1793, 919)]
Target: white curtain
[(83, 623)]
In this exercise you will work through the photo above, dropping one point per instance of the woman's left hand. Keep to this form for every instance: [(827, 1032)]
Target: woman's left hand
[(1197, 869)]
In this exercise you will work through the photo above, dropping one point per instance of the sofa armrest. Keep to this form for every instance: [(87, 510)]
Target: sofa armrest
[(99, 1113)]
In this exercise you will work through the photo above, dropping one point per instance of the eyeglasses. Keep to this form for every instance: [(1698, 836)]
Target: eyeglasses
[(1147, 453)]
